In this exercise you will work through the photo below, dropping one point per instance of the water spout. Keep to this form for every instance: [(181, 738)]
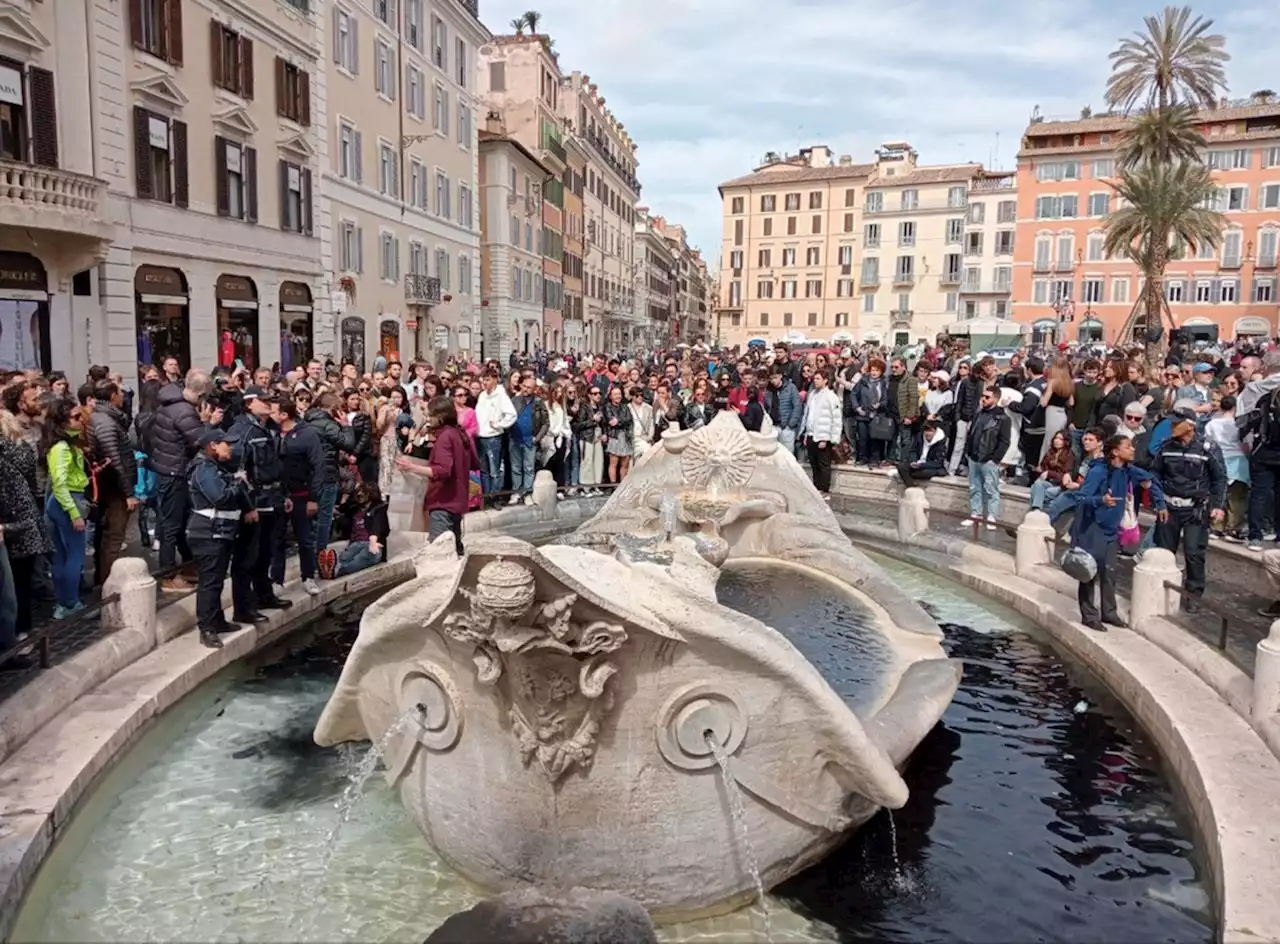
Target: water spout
[(668, 514), (738, 810)]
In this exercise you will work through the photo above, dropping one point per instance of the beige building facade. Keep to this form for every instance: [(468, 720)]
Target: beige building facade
[(574, 187), (400, 233), (818, 247), (655, 277), (990, 232)]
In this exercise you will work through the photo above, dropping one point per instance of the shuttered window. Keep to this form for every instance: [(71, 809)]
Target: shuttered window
[(293, 92), (160, 158), (231, 56), (155, 26), (28, 114), (236, 167), (295, 198)]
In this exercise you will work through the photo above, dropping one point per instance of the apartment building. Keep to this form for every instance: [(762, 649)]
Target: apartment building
[(990, 228), (610, 193), (201, 119), (55, 225), (1065, 173), (400, 229), (511, 258), (655, 275), (841, 251), (574, 181)]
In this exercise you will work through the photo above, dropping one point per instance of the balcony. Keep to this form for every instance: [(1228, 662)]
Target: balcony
[(949, 278), (1064, 265), (901, 317), (904, 279), (1267, 262), (554, 147), (421, 289), (56, 201), (992, 184), (1042, 265), (986, 288), (869, 279)]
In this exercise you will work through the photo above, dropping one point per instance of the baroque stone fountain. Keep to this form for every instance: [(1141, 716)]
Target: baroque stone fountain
[(549, 714)]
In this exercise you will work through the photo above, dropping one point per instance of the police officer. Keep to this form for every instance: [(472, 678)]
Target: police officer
[(218, 497), (256, 450), (1194, 478)]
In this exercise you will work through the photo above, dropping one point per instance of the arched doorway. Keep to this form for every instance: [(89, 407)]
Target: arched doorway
[(353, 341), (1253, 328), (389, 339), (238, 341), (1090, 330), (464, 340), (297, 325), (160, 308), (440, 338), (1042, 331)]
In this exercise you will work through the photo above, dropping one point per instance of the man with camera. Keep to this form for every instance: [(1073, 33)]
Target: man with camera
[(181, 419)]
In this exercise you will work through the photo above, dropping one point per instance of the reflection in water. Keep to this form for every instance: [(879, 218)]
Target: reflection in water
[(1027, 821)]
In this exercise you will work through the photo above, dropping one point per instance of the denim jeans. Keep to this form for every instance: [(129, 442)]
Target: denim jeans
[(572, 462), (440, 522), (957, 451), (68, 553), (984, 488), (1042, 493), (1264, 506), (490, 463), (304, 530), (521, 456), (356, 556), (8, 604), (1064, 503), (324, 515), (174, 504)]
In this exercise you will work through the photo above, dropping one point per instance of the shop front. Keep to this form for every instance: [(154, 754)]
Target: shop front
[(1253, 328), (161, 302), (297, 325), (353, 342), (389, 339), (24, 313), (238, 341), (1090, 331)]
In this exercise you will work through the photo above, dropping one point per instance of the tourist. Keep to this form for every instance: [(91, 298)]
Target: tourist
[(180, 421), (1116, 393), (368, 529), (109, 428), (586, 429), (448, 473), (1057, 400), (524, 435), (387, 433), (904, 407), (822, 425), (557, 442), (990, 435), (873, 414), (968, 399), (66, 509), (494, 416), (23, 534), (218, 493), (782, 403), (304, 473), (642, 422), (616, 427), (336, 437), (666, 412), (1100, 510), (1054, 468), (1031, 408), (1223, 432), (931, 462), (1194, 481)]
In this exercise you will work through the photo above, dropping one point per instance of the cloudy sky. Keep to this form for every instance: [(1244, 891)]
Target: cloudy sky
[(706, 87)]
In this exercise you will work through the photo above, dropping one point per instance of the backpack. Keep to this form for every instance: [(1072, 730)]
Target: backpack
[(1268, 419)]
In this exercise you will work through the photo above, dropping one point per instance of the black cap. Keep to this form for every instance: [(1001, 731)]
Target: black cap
[(215, 434), (1182, 413), (254, 392)]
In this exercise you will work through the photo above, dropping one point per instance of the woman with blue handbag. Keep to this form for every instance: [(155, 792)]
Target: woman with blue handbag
[(1099, 515)]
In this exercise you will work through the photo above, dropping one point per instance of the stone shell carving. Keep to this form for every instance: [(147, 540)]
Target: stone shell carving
[(556, 664), (721, 457)]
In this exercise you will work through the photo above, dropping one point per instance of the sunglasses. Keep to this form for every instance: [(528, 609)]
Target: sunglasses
[(460, 395)]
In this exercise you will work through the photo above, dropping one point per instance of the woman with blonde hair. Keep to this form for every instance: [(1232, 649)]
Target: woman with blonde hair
[(1059, 395)]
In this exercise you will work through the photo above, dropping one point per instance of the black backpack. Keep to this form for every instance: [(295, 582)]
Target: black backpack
[(1264, 419)]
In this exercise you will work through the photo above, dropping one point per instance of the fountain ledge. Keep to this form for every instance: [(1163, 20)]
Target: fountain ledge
[(1223, 766)]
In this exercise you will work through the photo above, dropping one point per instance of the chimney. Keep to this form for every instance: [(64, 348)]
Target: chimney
[(820, 156), (493, 123)]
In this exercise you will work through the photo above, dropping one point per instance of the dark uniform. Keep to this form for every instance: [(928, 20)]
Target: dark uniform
[(1194, 479), (218, 499), (256, 449)]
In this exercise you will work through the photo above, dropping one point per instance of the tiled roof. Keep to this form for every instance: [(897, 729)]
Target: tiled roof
[(1211, 140), (930, 175), (790, 174), (1120, 122)]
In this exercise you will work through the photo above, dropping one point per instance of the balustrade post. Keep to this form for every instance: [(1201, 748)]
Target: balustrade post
[(1033, 548), (1150, 596), (1266, 677)]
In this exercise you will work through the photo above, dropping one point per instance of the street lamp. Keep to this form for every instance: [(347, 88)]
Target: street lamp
[(1064, 309)]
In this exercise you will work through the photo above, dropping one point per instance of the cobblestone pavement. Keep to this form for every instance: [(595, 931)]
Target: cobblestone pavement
[(1245, 627)]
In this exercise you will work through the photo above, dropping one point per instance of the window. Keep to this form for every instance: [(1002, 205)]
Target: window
[(905, 271), (1044, 248), (1066, 251), (793, 201), (417, 259), (786, 319), (466, 206), (788, 288), (413, 24), (350, 149), (817, 225), (461, 62), (875, 201), (788, 258), (904, 303), (955, 231), (768, 203), (909, 199), (844, 288), (846, 255), (439, 44), (848, 222), (232, 61), (977, 213), (295, 198), (1267, 247), (464, 274), (237, 180), (850, 195), (1229, 291), (1173, 290), (440, 119), (906, 233), (870, 271), (813, 288), (1236, 159), (1040, 292), (293, 92), (1093, 291), (388, 258), (443, 268), (162, 174), (464, 124), (952, 302), (1231, 249), (869, 303), (1098, 203), (1007, 211), (1102, 168), (735, 260), (791, 225), (1203, 292), (970, 308), (158, 28), (346, 41), (764, 319), (951, 268), (763, 259), (415, 92), (735, 293), (972, 279), (1004, 242), (737, 232), (1063, 289), (1264, 290), (385, 10), (384, 78), (1269, 197), (1236, 198), (1094, 252), (418, 185), (737, 205), (815, 200), (388, 171), (973, 244), (1271, 157), (957, 196), (497, 76), (1054, 208), (1003, 278), (871, 235), (444, 205), (764, 288), (1058, 170), (812, 256), (351, 247)]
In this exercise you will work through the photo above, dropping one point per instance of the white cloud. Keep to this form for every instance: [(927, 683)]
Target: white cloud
[(706, 87)]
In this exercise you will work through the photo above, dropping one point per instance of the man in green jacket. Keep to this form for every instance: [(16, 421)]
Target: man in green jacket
[(904, 393)]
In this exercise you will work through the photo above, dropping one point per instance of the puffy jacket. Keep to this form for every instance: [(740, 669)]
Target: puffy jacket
[(908, 401), (334, 438), (786, 401), (968, 398), (175, 433), (302, 462), (823, 416), (110, 429)]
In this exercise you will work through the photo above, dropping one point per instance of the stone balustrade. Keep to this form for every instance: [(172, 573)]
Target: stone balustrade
[(49, 198)]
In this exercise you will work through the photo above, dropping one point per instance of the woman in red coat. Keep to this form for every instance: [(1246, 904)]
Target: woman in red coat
[(448, 474)]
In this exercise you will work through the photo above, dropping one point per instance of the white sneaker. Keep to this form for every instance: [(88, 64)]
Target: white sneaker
[(515, 499), (155, 544), (968, 522), (311, 586), (991, 522)]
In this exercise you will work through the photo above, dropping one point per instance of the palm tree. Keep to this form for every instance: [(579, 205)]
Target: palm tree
[(531, 19), (518, 25), (1166, 73)]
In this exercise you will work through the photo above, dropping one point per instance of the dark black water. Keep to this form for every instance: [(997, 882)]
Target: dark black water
[(1032, 817)]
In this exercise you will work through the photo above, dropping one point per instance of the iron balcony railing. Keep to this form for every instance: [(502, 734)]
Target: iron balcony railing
[(421, 289)]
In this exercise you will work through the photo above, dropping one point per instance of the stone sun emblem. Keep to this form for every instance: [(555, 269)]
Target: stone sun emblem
[(724, 457)]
